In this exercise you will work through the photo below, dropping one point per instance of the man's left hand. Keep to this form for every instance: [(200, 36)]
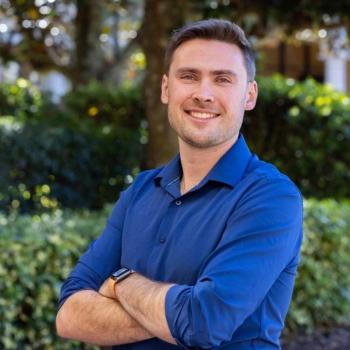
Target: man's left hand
[(107, 289)]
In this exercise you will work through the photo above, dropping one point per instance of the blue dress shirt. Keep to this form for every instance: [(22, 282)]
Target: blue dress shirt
[(231, 245)]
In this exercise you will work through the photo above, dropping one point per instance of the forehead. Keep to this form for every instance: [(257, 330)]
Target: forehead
[(208, 55)]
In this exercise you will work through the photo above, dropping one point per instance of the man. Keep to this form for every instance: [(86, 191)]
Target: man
[(208, 245)]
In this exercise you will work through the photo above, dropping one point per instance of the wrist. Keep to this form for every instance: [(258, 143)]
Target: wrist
[(117, 277)]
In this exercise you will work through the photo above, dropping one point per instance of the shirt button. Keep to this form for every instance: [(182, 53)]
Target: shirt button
[(178, 202), (162, 240)]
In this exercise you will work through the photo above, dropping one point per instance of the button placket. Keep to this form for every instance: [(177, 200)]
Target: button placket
[(163, 227)]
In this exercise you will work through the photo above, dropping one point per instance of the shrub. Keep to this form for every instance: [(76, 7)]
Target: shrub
[(303, 128), (20, 99), (79, 154), (37, 253), (44, 167), (103, 104), (322, 290)]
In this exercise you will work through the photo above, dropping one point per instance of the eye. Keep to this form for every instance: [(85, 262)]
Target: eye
[(223, 80), (188, 77)]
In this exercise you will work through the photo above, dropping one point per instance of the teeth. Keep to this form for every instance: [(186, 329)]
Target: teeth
[(202, 115)]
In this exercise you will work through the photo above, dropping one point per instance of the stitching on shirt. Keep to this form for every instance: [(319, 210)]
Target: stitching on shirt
[(172, 181)]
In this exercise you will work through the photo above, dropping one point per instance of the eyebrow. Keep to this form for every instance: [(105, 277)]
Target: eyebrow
[(214, 72)]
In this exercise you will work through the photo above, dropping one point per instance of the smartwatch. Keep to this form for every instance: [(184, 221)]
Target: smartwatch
[(121, 274)]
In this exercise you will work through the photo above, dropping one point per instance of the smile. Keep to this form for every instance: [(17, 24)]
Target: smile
[(202, 115)]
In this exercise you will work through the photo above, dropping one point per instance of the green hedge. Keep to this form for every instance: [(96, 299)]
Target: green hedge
[(104, 104), (78, 154), (303, 128), (45, 167), (322, 290), (36, 254)]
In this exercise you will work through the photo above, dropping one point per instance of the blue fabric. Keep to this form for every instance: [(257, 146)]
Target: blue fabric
[(231, 245)]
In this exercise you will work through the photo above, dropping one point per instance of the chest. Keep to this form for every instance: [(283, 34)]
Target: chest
[(169, 239)]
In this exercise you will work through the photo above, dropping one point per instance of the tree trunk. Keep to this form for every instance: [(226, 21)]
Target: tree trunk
[(160, 18), (88, 55)]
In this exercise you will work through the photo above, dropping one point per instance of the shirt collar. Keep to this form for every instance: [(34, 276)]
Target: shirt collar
[(170, 172), (232, 165), (228, 170)]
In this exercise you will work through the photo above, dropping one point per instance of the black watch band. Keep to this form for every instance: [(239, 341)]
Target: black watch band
[(121, 274)]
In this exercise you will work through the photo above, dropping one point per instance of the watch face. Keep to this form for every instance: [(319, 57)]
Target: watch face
[(120, 272)]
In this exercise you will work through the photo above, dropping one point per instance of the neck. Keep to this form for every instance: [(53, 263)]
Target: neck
[(197, 162)]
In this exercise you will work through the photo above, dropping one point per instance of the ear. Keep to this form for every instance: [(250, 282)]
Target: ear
[(164, 97), (252, 95)]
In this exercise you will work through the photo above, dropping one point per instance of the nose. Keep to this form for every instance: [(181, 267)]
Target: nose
[(203, 93)]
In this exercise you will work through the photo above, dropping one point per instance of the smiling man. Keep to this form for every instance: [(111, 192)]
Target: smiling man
[(201, 253)]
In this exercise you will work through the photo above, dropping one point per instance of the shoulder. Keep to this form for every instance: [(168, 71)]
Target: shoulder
[(145, 177), (264, 188), (261, 174), (269, 202), (143, 181)]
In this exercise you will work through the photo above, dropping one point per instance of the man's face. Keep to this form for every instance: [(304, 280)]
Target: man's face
[(207, 92)]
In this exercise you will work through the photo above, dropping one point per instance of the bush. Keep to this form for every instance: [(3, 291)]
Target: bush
[(20, 99), (65, 156), (103, 104), (45, 167), (322, 290), (303, 128), (37, 253)]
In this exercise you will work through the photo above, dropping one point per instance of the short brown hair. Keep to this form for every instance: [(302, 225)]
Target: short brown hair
[(212, 29)]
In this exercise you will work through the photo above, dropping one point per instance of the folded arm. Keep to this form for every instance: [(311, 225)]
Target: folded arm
[(145, 299), (91, 317), (85, 314)]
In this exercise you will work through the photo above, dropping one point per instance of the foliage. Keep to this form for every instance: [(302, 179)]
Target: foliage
[(37, 253), (81, 39), (46, 167), (20, 99), (322, 290), (104, 104), (260, 17), (303, 128), (65, 157)]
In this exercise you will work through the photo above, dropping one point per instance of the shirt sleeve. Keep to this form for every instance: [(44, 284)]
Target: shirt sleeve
[(102, 256), (261, 237)]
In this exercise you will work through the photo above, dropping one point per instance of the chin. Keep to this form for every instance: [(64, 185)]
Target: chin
[(199, 143)]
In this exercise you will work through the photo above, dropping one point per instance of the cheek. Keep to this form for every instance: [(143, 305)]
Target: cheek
[(178, 100), (180, 92), (234, 100)]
